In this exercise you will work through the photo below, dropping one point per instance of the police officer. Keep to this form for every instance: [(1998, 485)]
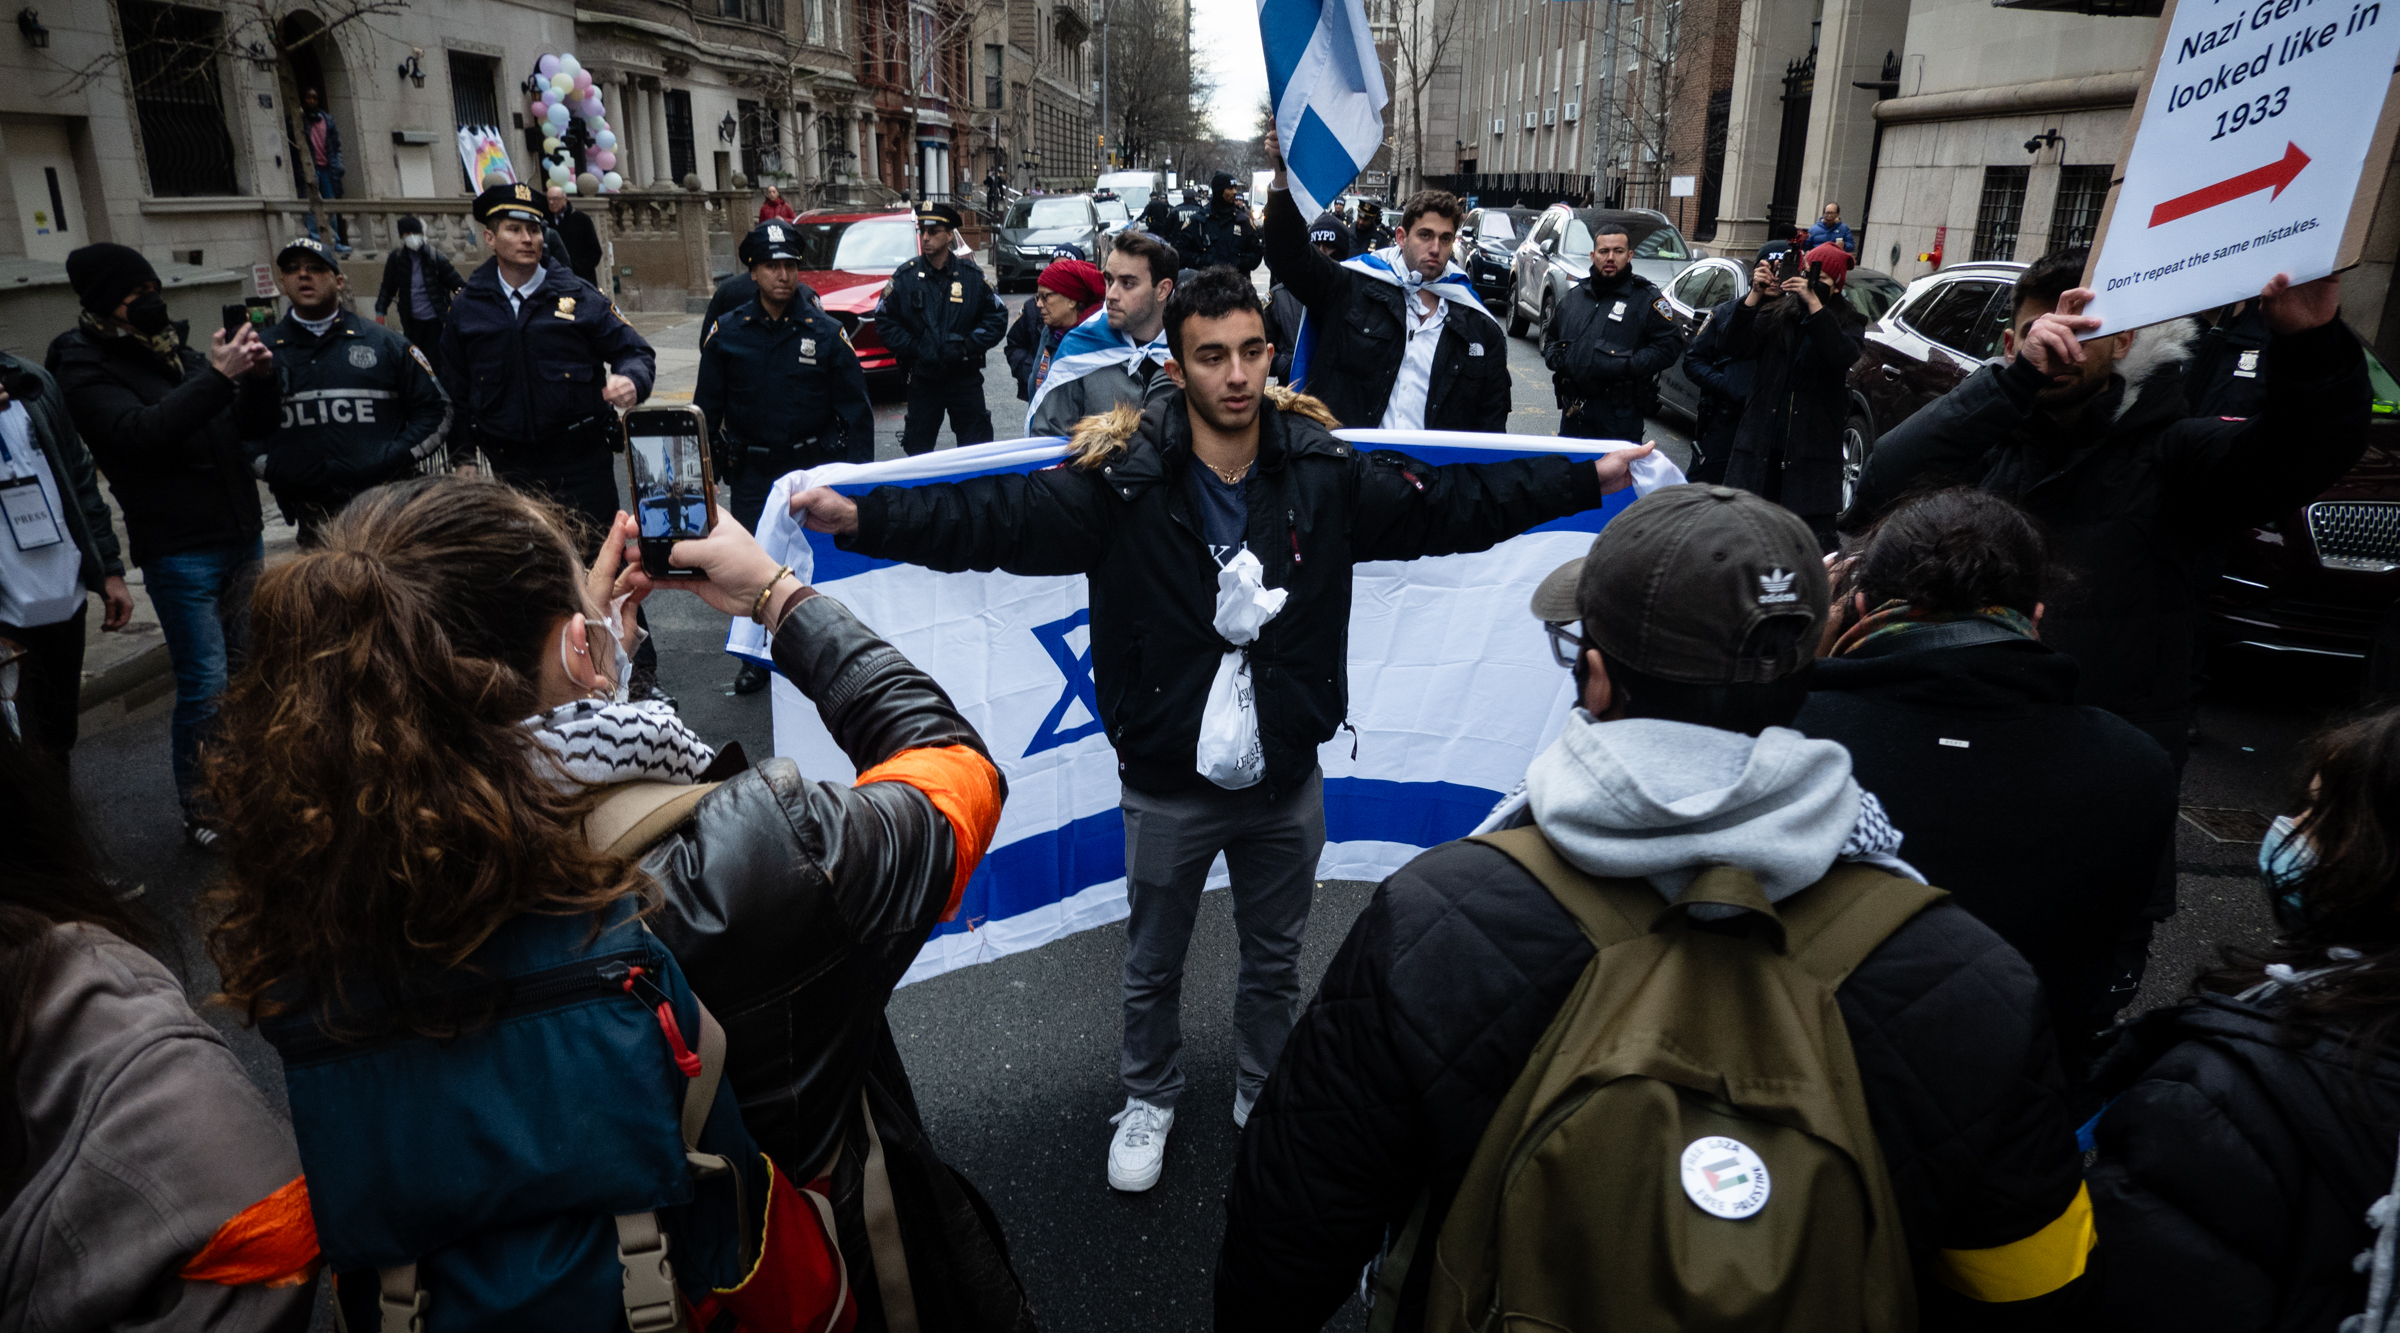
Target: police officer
[(940, 318), (1186, 235), (1611, 337), (360, 405), (538, 363), (1222, 233), (781, 387)]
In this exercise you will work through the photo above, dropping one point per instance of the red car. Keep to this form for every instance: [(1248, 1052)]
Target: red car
[(849, 260)]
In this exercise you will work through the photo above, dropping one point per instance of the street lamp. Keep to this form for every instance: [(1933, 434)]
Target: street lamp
[(29, 22), (726, 128), (411, 69)]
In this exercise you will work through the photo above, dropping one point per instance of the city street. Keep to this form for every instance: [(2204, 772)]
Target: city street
[(1014, 1061)]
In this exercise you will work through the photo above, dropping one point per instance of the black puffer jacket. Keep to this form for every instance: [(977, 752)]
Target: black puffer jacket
[(1435, 1001), (2134, 493), (2235, 1171), (169, 438), (1317, 507), (794, 906), (1222, 233), (1799, 399), (1361, 332), (1610, 340), (2044, 819)]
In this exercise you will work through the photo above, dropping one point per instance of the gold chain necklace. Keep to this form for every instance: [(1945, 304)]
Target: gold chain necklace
[(1231, 476)]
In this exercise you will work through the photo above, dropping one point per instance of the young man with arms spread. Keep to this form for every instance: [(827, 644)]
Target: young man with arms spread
[(940, 318), (1611, 339), (360, 406), (1148, 508), (1117, 363), (1689, 628), (1400, 339)]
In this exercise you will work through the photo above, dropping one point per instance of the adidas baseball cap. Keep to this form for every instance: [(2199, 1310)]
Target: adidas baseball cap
[(1674, 585)]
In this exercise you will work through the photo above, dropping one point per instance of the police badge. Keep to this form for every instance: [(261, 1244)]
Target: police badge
[(362, 356), (566, 307)]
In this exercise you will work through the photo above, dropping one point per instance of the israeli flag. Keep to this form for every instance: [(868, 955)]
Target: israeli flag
[(1327, 88), (1452, 689), (1089, 346)]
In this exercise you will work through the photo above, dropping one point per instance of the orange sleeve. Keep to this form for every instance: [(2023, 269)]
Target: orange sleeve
[(271, 1243), (965, 787)]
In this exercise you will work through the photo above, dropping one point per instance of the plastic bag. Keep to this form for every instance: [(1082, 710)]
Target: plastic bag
[(1229, 753)]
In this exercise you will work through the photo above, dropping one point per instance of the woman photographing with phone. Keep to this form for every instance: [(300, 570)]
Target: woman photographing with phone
[(426, 773)]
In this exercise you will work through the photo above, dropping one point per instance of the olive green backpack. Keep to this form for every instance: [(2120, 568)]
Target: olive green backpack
[(1688, 1147)]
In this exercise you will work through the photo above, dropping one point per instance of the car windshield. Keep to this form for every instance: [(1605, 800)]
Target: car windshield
[(1870, 293), (1135, 198), (1497, 227), (877, 243), (1056, 212), (1113, 210), (1651, 240)]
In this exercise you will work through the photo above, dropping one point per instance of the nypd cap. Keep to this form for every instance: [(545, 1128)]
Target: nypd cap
[(942, 213), (1673, 586), (770, 240), (310, 246), (510, 201)]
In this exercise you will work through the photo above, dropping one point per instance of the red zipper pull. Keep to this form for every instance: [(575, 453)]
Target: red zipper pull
[(684, 1059)]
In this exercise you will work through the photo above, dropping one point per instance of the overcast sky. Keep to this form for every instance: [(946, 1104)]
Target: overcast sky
[(1227, 32)]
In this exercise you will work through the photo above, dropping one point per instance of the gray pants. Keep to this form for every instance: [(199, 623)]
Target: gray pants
[(1271, 849)]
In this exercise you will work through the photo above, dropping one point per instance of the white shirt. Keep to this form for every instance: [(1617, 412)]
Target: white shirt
[(42, 586), (317, 327), (1406, 410), (518, 296)]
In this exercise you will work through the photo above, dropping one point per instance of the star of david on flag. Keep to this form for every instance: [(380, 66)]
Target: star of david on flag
[(1327, 89)]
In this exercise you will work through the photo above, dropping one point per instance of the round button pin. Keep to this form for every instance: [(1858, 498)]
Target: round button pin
[(1725, 1178)]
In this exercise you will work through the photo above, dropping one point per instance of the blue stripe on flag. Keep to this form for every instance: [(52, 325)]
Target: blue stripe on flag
[(1035, 872), (1318, 158), (1284, 29)]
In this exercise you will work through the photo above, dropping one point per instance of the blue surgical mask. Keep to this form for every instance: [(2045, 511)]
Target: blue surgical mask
[(2285, 857)]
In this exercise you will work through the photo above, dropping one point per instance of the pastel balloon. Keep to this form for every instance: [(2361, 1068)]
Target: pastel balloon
[(562, 83), (549, 99), (587, 183), (605, 139), (612, 182), (568, 64), (552, 144), (548, 65), (604, 159), (558, 114)]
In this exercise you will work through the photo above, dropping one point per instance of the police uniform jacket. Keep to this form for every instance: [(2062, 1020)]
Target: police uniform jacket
[(360, 407), (790, 382), (524, 377), (1222, 234), (1610, 340), (943, 318)]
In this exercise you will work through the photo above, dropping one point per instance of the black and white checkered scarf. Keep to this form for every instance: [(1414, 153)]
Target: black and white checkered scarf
[(597, 743)]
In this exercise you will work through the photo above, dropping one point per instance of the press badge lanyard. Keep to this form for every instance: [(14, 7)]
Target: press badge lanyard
[(30, 523)]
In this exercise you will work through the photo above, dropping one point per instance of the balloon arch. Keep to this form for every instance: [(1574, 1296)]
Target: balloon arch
[(579, 150)]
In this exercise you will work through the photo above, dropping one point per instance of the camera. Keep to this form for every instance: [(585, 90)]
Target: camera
[(674, 487)]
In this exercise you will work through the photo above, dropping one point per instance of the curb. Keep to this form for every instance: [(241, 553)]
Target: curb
[(124, 678)]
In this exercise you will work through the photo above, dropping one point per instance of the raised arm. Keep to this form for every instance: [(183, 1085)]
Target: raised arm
[(1055, 521), (1408, 509), (1315, 279)]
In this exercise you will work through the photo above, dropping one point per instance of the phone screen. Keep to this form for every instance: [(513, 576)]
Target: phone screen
[(670, 491)]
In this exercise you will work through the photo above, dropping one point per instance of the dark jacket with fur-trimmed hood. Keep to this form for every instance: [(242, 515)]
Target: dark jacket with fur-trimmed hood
[(2135, 492), (1122, 515)]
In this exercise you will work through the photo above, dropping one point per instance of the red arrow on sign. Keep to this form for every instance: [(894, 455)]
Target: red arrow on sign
[(2277, 174)]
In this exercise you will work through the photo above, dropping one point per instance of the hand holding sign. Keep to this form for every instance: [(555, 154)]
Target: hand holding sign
[(2291, 309), (2053, 343)]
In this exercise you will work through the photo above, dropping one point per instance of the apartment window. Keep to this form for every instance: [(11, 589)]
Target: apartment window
[(170, 56), (813, 19), (474, 99), (761, 137), (1998, 213), (991, 77), (2082, 191), (765, 13), (681, 160)]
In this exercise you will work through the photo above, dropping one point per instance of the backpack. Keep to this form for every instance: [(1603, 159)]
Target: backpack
[(1688, 1146), (569, 1159)]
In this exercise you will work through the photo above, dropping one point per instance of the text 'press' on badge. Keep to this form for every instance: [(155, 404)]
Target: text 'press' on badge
[(1725, 1177)]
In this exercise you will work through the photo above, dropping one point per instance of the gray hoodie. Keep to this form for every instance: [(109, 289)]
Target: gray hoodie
[(1647, 799)]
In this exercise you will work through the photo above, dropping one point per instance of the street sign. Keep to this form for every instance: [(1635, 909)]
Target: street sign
[(1373, 180), (1682, 187), (262, 280), (2257, 147)]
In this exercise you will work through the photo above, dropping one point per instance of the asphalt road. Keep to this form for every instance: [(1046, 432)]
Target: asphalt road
[(1014, 1061)]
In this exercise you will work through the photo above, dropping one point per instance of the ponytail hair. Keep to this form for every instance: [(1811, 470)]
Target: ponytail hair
[(386, 810)]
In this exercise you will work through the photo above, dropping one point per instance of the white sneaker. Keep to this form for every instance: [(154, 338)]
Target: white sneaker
[(1138, 1153), (1241, 1110)]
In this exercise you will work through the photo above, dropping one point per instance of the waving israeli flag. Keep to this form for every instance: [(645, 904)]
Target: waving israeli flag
[(1327, 87), (1089, 346)]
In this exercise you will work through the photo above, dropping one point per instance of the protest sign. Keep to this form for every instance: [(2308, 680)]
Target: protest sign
[(1452, 692), (2257, 146)]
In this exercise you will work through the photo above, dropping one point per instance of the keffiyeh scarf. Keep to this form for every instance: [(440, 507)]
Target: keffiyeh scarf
[(593, 743)]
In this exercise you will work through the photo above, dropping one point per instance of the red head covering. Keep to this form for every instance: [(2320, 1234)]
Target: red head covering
[(1078, 281), (1836, 261)]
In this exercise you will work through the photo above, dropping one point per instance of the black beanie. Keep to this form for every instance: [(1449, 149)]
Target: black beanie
[(102, 275), (408, 223)]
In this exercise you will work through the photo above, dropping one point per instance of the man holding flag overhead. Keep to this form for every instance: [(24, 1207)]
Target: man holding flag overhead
[(1396, 337)]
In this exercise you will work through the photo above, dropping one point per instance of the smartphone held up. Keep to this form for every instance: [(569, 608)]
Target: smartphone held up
[(674, 488)]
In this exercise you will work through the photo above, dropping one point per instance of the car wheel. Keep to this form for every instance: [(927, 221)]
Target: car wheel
[(1516, 313), (1549, 316), (1858, 438)]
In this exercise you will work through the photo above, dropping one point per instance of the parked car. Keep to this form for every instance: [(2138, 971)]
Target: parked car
[(1113, 217), (1712, 281), (1557, 253), (848, 261), (1486, 245), (1035, 227)]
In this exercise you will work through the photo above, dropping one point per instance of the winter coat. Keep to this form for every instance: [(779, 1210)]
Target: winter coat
[(134, 1137), (360, 408), (2135, 492), (441, 281), (1360, 328), (1023, 349), (1094, 393), (1283, 329), (1435, 1001), (775, 210), (170, 440), (87, 520), (522, 380), (2226, 376), (582, 241), (940, 319), (1799, 400), (771, 387), (1317, 507), (794, 906), (2044, 819), (2235, 1170), (1724, 383), (1222, 234), (1616, 360)]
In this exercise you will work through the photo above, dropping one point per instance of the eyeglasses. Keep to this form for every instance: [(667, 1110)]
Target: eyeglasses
[(1566, 641)]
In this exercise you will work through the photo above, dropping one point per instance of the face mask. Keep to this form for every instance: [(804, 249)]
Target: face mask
[(413, 241), (609, 623), (148, 314), (2284, 859)]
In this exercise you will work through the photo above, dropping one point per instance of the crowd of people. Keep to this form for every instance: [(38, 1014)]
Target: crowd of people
[(581, 1016)]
